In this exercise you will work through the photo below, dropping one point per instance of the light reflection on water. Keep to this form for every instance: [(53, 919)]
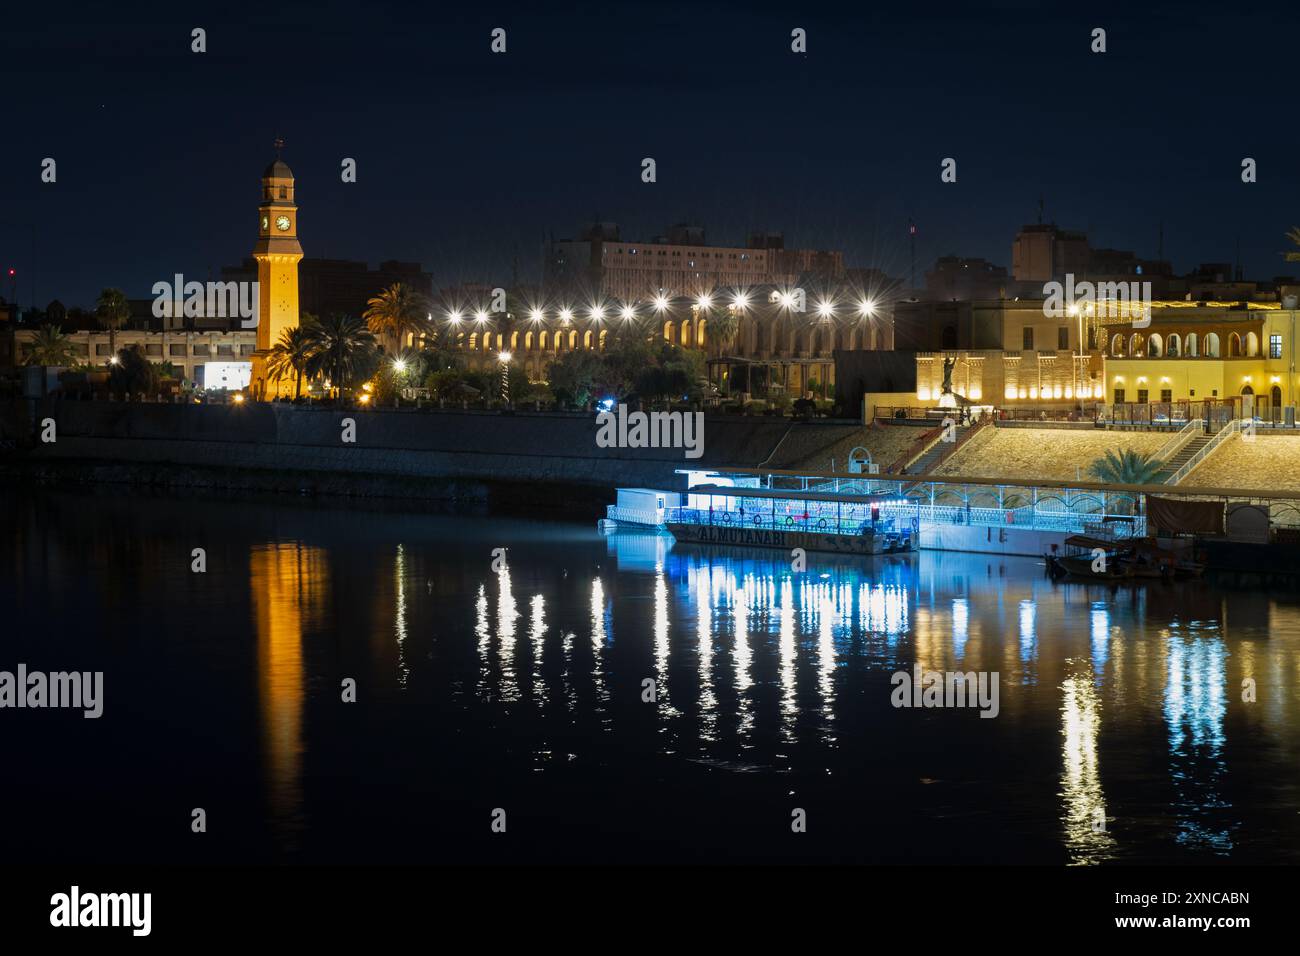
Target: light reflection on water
[(1122, 734), (812, 636)]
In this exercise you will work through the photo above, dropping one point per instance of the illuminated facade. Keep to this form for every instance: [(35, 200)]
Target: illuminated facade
[(1015, 354), (1205, 352), (767, 342), (1188, 351), (277, 253)]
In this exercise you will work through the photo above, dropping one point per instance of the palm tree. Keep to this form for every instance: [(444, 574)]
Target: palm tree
[(51, 347), (1294, 236), (112, 310), (721, 327), (1128, 467), (292, 355), (341, 348), (397, 310)]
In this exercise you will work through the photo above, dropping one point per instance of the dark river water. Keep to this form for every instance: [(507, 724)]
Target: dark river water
[(515, 683)]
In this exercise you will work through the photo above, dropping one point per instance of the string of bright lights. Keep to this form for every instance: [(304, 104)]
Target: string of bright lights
[(824, 309)]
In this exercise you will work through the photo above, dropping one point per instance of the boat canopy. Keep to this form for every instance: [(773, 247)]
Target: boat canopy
[(788, 494)]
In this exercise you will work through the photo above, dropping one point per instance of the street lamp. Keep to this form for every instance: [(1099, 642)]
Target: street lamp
[(504, 359)]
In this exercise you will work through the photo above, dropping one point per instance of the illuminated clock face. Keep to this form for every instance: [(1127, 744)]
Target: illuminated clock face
[(282, 223), (266, 222)]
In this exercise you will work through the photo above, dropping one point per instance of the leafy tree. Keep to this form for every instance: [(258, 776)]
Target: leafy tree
[(51, 347), (112, 312), (622, 363), (343, 350), (397, 311), (574, 376), (133, 373)]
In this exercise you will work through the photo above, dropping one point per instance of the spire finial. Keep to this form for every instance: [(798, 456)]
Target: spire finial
[(279, 145)]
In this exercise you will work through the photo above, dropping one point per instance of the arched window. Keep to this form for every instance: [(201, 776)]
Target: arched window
[(1191, 345), (528, 341), (1252, 344), (1173, 346), (586, 339), (1155, 345), (686, 332), (1117, 346), (1212, 345), (1135, 345), (541, 341), (699, 333), (573, 340), (473, 341), (668, 331), (1234, 345), (601, 343)]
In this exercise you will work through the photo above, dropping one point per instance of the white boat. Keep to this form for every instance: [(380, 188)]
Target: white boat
[(639, 509), (787, 519)]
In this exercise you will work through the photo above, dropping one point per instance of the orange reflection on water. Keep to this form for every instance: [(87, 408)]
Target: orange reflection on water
[(289, 583)]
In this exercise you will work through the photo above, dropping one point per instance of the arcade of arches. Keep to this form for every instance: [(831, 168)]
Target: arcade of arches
[(795, 354)]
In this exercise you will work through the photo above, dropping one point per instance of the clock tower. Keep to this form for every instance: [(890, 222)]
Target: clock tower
[(277, 253)]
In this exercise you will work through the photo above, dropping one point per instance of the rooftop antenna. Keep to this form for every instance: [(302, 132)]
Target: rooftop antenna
[(1040, 209), (911, 229)]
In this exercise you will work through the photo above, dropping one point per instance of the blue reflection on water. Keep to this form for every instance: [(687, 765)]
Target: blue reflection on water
[(1194, 709)]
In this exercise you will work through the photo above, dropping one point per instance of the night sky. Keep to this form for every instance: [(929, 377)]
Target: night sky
[(467, 159)]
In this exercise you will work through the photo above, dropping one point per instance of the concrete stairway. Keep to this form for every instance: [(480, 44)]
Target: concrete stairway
[(930, 459), (1181, 458)]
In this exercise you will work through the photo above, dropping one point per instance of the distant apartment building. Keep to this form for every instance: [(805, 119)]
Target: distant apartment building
[(339, 285), (601, 264), (209, 359), (1044, 252)]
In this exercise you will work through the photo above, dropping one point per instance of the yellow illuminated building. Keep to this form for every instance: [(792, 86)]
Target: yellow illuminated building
[(1238, 352), (277, 253), (1177, 351)]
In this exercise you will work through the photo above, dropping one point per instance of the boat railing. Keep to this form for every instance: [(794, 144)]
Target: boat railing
[(646, 516), (892, 515), (828, 523)]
